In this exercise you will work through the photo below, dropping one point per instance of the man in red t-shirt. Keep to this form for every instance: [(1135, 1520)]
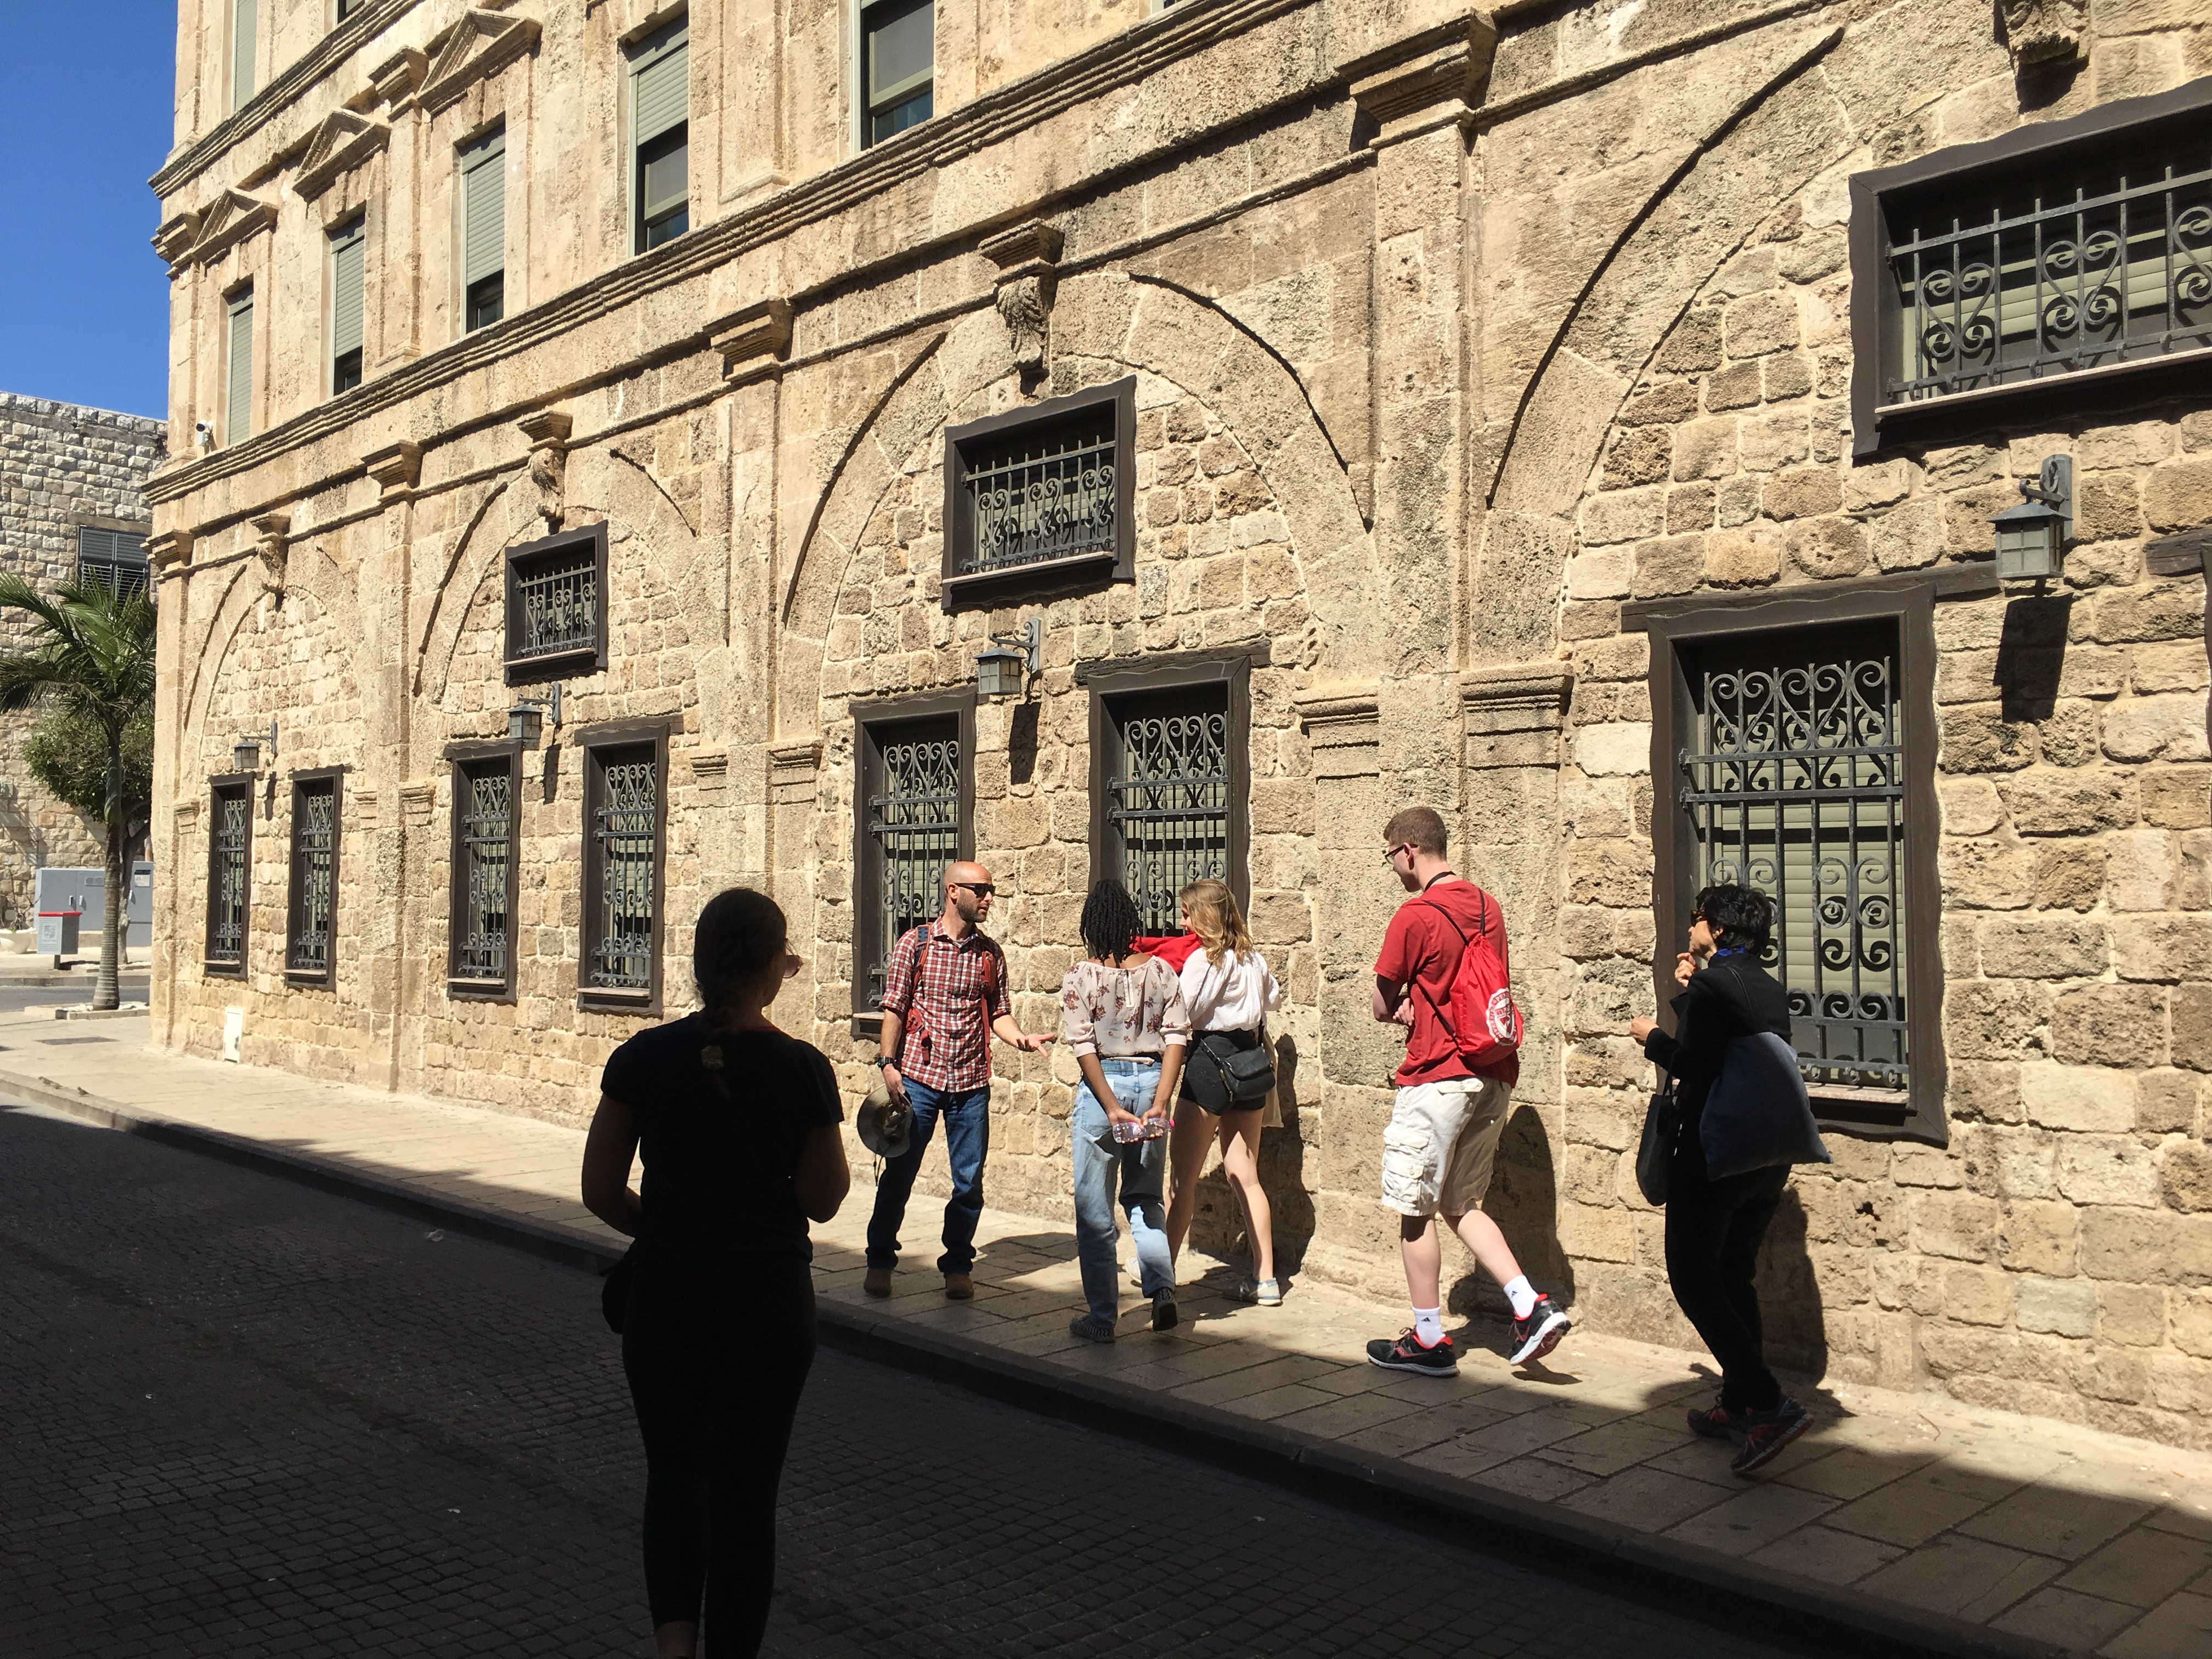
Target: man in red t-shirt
[(1443, 1137)]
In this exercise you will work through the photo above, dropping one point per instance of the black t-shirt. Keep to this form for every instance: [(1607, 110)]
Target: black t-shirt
[(719, 1169)]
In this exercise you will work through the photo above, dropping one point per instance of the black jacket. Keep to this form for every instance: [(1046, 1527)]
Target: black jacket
[(1731, 996)]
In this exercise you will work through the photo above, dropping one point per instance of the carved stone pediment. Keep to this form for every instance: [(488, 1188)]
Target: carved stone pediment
[(2045, 31), (483, 43), (341, 143), (229, 220), (173, 240)]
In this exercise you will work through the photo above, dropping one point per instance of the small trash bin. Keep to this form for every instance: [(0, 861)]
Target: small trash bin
[(57, 934)]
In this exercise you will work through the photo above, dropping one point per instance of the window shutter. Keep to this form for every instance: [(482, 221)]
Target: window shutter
[(660, 89), (242, 30), (348, 252), (238, 406), (483, 208)]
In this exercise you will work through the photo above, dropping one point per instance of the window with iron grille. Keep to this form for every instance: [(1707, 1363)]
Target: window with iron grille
[(1169, 795), (913, 820), (310, 929), (113, 559), (556, 605), (1041, 498), (230, 870), (1792, 781), (487, 825), (621, 966), (2077, 248)]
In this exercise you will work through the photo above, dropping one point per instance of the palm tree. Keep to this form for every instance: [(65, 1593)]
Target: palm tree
[(89, 655)]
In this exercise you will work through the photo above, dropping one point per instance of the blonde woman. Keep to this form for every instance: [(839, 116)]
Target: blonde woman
[(1228, 989)]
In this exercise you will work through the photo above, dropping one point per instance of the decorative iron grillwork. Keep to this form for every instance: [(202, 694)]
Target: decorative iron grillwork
[(1033, 496), (487, 855), (2034, 277), (228, 845), (914, 832), (556, 605), (624, 826), (315, 842), (1795, 785), (1168, 804)]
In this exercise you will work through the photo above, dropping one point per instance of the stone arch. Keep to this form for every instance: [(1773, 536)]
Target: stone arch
[(310, 571)]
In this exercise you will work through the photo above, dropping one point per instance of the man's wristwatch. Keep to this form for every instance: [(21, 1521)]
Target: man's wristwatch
[(884, 1059)]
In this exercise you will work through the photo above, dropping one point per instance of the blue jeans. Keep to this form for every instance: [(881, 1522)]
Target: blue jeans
[(1138, 1167), (967, 1115)]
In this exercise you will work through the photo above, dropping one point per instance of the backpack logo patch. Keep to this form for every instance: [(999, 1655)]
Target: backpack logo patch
[(1499, 1016)]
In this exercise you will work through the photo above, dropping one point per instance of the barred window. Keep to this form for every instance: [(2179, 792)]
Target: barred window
[(487, 802), (1042, 497), (310, 955), (1168, 795), (621, 874), (113, 559), (911, 824), (1793, 781), (556, 605), (230, 869)]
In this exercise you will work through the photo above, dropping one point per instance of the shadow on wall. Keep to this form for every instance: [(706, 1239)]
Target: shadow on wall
[(1217, 1228), (1524, 1200), (1797, 1329)]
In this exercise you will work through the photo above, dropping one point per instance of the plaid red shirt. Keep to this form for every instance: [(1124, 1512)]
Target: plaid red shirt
[(949, 992)]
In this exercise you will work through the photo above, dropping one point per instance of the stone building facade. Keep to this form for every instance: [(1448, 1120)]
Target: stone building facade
[(72, 503), (1370, 402)]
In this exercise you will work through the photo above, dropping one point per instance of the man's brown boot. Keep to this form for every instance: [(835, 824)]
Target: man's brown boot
[(959, 1287), (878, 1281)]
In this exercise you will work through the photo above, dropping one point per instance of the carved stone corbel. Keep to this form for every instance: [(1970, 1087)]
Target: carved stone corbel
[(547, 431), (272, 545), (1028, 258), (2043, 32), (1436, 85), (754, 341), (1516, 713), (396, 469), (170, 551)]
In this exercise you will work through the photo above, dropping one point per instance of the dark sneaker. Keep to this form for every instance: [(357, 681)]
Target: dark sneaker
[(1765, 1433), (876, 1281), (1089, 1329), (1408, 1354), (1164, 1310), (1540, 1333), (1718, 1423)]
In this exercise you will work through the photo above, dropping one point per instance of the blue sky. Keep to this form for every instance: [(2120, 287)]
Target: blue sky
[(84, 302)]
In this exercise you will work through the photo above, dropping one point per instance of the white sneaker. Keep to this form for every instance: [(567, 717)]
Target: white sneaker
[(1265, 1292)]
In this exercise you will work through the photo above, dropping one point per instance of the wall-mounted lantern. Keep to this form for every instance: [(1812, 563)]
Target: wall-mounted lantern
[(246, 752), (2032, 537), (526, 725), (1004, 669)]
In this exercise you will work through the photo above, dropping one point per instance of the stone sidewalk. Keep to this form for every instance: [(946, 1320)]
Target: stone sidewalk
[(1911, 1519)]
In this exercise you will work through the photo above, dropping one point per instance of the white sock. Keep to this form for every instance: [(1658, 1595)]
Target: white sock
[(1428, 1326), (1522, 1295)]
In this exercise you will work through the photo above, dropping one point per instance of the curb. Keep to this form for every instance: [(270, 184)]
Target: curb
[(1765, 1602)]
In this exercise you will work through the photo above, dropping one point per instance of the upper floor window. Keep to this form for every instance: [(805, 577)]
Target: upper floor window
[(898, 66), (238, 362), (346, 8), (556, 605), (115, 559), (483, 229), (1040, 496), (243, 35), (2060, 249), (349, 256), (661, 180), (915, 817), (310, 931), (230, 870)]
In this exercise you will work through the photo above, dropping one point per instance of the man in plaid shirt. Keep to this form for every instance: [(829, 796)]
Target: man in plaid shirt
[(944, 993)]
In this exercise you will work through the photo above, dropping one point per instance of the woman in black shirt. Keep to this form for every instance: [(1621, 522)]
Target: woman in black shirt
[(739, 1128)]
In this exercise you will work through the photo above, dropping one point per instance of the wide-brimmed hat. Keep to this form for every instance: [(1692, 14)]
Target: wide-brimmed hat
[(886, 1126)]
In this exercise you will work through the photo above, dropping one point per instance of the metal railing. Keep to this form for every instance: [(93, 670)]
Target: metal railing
[(315, 839), (624, 828), (914, 829), (1168, 804), (556, 608), (486, 854), (1037, 496), (232, 835)]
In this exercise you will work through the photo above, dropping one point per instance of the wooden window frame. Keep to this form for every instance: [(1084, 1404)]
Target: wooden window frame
[(983, 589), (1877, 429), (867, 717), (242, 783), (1110, 680), (461, 756), (535, 671), (1909, 603), (326, 977), (593, 741)]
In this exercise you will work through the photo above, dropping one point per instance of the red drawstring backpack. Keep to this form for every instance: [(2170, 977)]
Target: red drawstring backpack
[(1482, 1020)]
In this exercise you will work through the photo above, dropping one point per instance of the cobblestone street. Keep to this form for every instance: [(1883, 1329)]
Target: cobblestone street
[(247, 1418)]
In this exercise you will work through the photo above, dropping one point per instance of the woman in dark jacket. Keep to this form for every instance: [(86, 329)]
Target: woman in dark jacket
[(1714, 1227)]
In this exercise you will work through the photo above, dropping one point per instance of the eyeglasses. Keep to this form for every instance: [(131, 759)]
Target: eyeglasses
[(980, 889), (1389, 854)]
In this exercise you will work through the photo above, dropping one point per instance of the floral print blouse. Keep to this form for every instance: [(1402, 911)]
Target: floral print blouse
[(1122, 1012)]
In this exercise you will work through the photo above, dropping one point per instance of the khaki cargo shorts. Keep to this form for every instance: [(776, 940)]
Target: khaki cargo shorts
[(1442, 1141)]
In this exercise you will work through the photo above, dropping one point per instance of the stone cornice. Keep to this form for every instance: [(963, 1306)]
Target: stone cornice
[(289, 82)]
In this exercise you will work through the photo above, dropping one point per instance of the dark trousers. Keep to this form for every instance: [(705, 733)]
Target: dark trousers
[(716, 1356), (1713, 1233), (967, 1115)]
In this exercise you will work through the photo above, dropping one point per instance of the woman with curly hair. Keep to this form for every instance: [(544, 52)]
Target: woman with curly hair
[(1122, 1015)]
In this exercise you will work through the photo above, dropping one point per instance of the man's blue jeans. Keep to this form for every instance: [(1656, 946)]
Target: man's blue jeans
[(967, 1115), (1138, 1169)]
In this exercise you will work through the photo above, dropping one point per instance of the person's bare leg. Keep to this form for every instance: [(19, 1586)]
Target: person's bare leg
[(1483, 1236), (1186, 1148), (1424, 1258), (676, 1639), (1240, 1161)]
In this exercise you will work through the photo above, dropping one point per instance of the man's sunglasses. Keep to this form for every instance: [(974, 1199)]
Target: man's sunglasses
[(980, 889)]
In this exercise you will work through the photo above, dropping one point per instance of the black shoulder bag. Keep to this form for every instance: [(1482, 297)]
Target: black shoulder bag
[(1662, 1120)]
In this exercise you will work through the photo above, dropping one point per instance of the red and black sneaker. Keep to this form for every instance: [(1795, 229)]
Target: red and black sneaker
[(1718, 1423), (1410, 1353), (1540, 1333), (1765, 1433)]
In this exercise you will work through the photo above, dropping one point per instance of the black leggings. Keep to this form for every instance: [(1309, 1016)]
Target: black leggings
[(716, 1356), (1713, 1233)]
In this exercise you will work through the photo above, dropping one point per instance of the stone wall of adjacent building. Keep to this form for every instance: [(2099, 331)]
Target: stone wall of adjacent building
[(60, 467)]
